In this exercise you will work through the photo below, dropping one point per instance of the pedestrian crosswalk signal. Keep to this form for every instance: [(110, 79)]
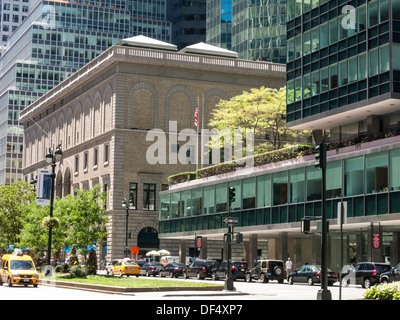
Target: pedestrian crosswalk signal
[(320, 157)]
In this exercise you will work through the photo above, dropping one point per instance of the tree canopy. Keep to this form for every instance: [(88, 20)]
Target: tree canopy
[(262, 112)]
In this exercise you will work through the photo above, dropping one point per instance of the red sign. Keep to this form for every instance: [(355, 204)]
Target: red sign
[(134, 250), (376, 241), (199, 242)]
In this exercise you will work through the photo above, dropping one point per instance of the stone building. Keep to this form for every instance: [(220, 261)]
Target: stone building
[(102, 116)]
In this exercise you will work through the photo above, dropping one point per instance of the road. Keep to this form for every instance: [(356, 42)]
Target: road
[(244, 291)]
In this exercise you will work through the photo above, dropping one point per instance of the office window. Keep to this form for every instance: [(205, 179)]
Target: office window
[(362, 66), (133, 195), (314, 4), (324, 35), (333, 179), (324, 79), (361, 18), (209, 199), (307, 42), (85, 161), (333, 31), (342, 32), (149, 196), (314, 183), (298, 49), (165, 201), (197, 201), (384, 58), (306, 5), (395, 55), (352, 69), (373, 62), (298, 89), (384, 10), (280, 188), (95, 157), (221, 197), (264, 191), (315, 83), (290, 9), (106, 153), (314, 39), (290, 91), (298, 8), (290, 49), (373, 13), (353, 176), (394, 161), (249, 193), (342, 73), (186, 203), (296, 185), (174, 206), (376, 172), (396, 10), (333, 77), (307, 86), (76, 164)]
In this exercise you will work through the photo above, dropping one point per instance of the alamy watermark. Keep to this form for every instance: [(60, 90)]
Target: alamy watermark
[(167, 148)]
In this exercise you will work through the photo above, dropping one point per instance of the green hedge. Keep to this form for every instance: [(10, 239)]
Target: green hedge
[(258, 160)]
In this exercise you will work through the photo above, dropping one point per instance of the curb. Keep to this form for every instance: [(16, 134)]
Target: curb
[(121, 290)]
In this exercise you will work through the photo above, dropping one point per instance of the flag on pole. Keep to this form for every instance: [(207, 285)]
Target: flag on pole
[(196, 117)]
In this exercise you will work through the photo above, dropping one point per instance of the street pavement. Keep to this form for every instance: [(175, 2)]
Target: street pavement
[(244, 291)]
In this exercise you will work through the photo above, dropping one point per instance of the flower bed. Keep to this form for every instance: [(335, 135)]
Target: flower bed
[(389, 291)]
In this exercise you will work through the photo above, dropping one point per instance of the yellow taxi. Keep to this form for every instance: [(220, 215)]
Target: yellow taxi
[(126, 267), (18, 269)]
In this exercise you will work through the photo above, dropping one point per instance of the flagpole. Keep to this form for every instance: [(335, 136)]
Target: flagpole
[(196, 122)]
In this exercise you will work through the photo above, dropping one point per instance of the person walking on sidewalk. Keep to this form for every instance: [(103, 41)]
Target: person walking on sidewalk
[(289, 267)]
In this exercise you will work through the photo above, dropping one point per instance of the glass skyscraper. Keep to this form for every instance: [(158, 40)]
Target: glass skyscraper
[(255, 29), (343, 66), (54, 40)]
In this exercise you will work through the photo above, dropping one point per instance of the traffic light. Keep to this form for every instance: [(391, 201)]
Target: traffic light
[(320, 157), (232, 194)]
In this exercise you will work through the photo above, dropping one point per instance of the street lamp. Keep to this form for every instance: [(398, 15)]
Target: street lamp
[(52, 158), (127, 234)]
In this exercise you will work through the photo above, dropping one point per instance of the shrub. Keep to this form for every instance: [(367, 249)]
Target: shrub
[(77, 272), (390, 291), (92, 263), (59, 268)]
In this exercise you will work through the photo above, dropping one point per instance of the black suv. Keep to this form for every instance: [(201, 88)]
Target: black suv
[(200, 269), (392, 275), (365, 273), (266, 270), (238, 268)]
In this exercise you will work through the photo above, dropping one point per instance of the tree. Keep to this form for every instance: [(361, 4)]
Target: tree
[(260, 111), (84, 216), (13, 200)]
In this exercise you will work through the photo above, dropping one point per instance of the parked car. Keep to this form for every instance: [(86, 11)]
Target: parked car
[(111, 264), (266, 270), (126, 268), (392, 275), (172, 270), (151, 269), (238, 268), (140, 262), (200, 269), (365, 273), (311, 274)]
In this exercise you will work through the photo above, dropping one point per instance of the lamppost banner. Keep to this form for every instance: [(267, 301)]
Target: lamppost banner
[(43, 187)]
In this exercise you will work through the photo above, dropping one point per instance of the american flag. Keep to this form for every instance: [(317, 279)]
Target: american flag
[(196, 117)]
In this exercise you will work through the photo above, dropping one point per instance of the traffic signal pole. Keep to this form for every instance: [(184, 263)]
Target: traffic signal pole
[(323, 293)]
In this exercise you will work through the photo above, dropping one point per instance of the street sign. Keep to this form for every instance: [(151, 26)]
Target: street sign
[(376, 241), (230, 220), (199, 242), (134, 250)]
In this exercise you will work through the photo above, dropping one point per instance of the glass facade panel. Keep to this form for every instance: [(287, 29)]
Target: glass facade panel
[(165, 200), (197, 201), (333, 31), (353, 176), (221, 197), (373, 62), (376, 173), (280, 188), (264, 191), (209, 199), (186, 203), (361, 18), (396, 9), (394, 161), (296, 180), (175, 205), (384, 59), (362, 66), (333, 179), (314, 183), (249, 193), (352, 69), (373, 13)]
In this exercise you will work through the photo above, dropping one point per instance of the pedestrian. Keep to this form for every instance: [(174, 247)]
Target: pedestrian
[(289, 266)]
